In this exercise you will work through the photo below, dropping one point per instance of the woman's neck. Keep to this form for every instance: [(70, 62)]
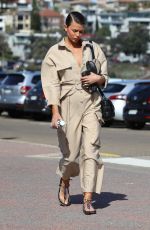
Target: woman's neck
[(71, 44)]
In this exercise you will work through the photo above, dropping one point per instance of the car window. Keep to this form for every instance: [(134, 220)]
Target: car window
[(39, 85), (13, 79), (2, 76), (35, 79), (114, 88), (141, 87)]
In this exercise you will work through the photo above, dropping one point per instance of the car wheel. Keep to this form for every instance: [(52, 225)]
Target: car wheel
[(37, 116), (15, 114), (107, 123), (135, 125)]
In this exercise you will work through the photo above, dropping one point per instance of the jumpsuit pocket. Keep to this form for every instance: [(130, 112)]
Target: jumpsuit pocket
[(95, 138), (64, 71), (65, 111)]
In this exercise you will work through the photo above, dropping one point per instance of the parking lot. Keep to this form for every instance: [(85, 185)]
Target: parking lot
[(21, 93)]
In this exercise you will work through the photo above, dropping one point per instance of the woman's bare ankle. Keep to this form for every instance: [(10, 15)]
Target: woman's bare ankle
[(87, 195)]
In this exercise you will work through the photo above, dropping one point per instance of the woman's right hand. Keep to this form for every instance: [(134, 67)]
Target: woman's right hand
[(55, 116)]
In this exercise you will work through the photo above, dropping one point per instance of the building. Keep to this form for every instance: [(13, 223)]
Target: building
[(6, 22), (113, 20), (2, 23), (51, 20), (23, 17), (136, 18)]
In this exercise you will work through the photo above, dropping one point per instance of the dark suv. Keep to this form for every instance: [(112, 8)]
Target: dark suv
[(137, 110), (13, 91), (36, 104)]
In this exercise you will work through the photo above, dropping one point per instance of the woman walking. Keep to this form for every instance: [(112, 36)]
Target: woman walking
[(63, 86)]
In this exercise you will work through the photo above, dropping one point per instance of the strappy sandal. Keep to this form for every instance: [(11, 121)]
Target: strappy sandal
[(64, 189), (88, 208)]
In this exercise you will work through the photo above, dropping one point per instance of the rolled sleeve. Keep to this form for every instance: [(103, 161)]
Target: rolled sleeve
[(50, 82), (103, 61), (104, 72)]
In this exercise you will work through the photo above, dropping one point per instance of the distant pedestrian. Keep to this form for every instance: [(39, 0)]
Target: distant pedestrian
[(79, 137)]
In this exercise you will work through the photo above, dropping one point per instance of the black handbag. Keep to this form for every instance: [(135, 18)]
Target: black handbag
[(107, 107)]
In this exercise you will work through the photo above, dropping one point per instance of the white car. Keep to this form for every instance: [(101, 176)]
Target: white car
[(117, 92)]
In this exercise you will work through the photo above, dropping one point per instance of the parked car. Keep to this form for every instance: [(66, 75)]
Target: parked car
[(122, 57), (2, 76), (114, 80), (36, 104), (13, 91), (137, 109), (117, 92)]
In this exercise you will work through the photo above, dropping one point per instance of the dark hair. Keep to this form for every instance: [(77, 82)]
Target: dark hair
[(75, 16)]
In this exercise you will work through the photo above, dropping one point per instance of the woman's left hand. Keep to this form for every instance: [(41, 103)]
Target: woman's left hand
[(92, 78)]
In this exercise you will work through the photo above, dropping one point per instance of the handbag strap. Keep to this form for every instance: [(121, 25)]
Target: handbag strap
[(101, 92), (93, 57), (90, 45)]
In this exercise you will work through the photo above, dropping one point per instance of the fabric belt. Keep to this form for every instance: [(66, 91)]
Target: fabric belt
[(72, 85), (69, 88)]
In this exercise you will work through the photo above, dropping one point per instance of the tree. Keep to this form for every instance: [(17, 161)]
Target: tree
[(5, 51), (133, 6), (39, 47), (146, 5), (102, 34), (135, 42), (35, 17)]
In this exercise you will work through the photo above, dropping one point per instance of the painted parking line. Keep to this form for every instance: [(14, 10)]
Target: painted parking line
[(58, 155), (128, 161), (46, 156), (28, 143), (106, 158), (109, 154)]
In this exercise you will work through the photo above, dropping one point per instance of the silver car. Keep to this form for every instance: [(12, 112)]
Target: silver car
[(13, 91), (117, 92)]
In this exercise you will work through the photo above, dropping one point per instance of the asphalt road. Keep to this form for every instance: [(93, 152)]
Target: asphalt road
[(28, 184), (116, 139)]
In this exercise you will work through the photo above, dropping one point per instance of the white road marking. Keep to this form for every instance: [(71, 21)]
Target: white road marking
[(46, 156), (29, 143), (120, 160), (128, 161), (106, 157)]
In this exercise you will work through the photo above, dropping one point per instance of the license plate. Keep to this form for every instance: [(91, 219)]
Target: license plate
[(33, 98), (7, 91), (132, 112)]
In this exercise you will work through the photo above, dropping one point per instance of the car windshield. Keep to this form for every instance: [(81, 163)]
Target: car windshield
[(14, 79), (114, 88)]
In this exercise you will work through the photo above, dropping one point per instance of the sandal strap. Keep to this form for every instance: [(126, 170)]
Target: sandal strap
[(88, 207), (64, 183), (87, 201), (65, 187)]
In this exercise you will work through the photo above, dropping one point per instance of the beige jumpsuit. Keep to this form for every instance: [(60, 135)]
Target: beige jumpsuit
[(79, 139)]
